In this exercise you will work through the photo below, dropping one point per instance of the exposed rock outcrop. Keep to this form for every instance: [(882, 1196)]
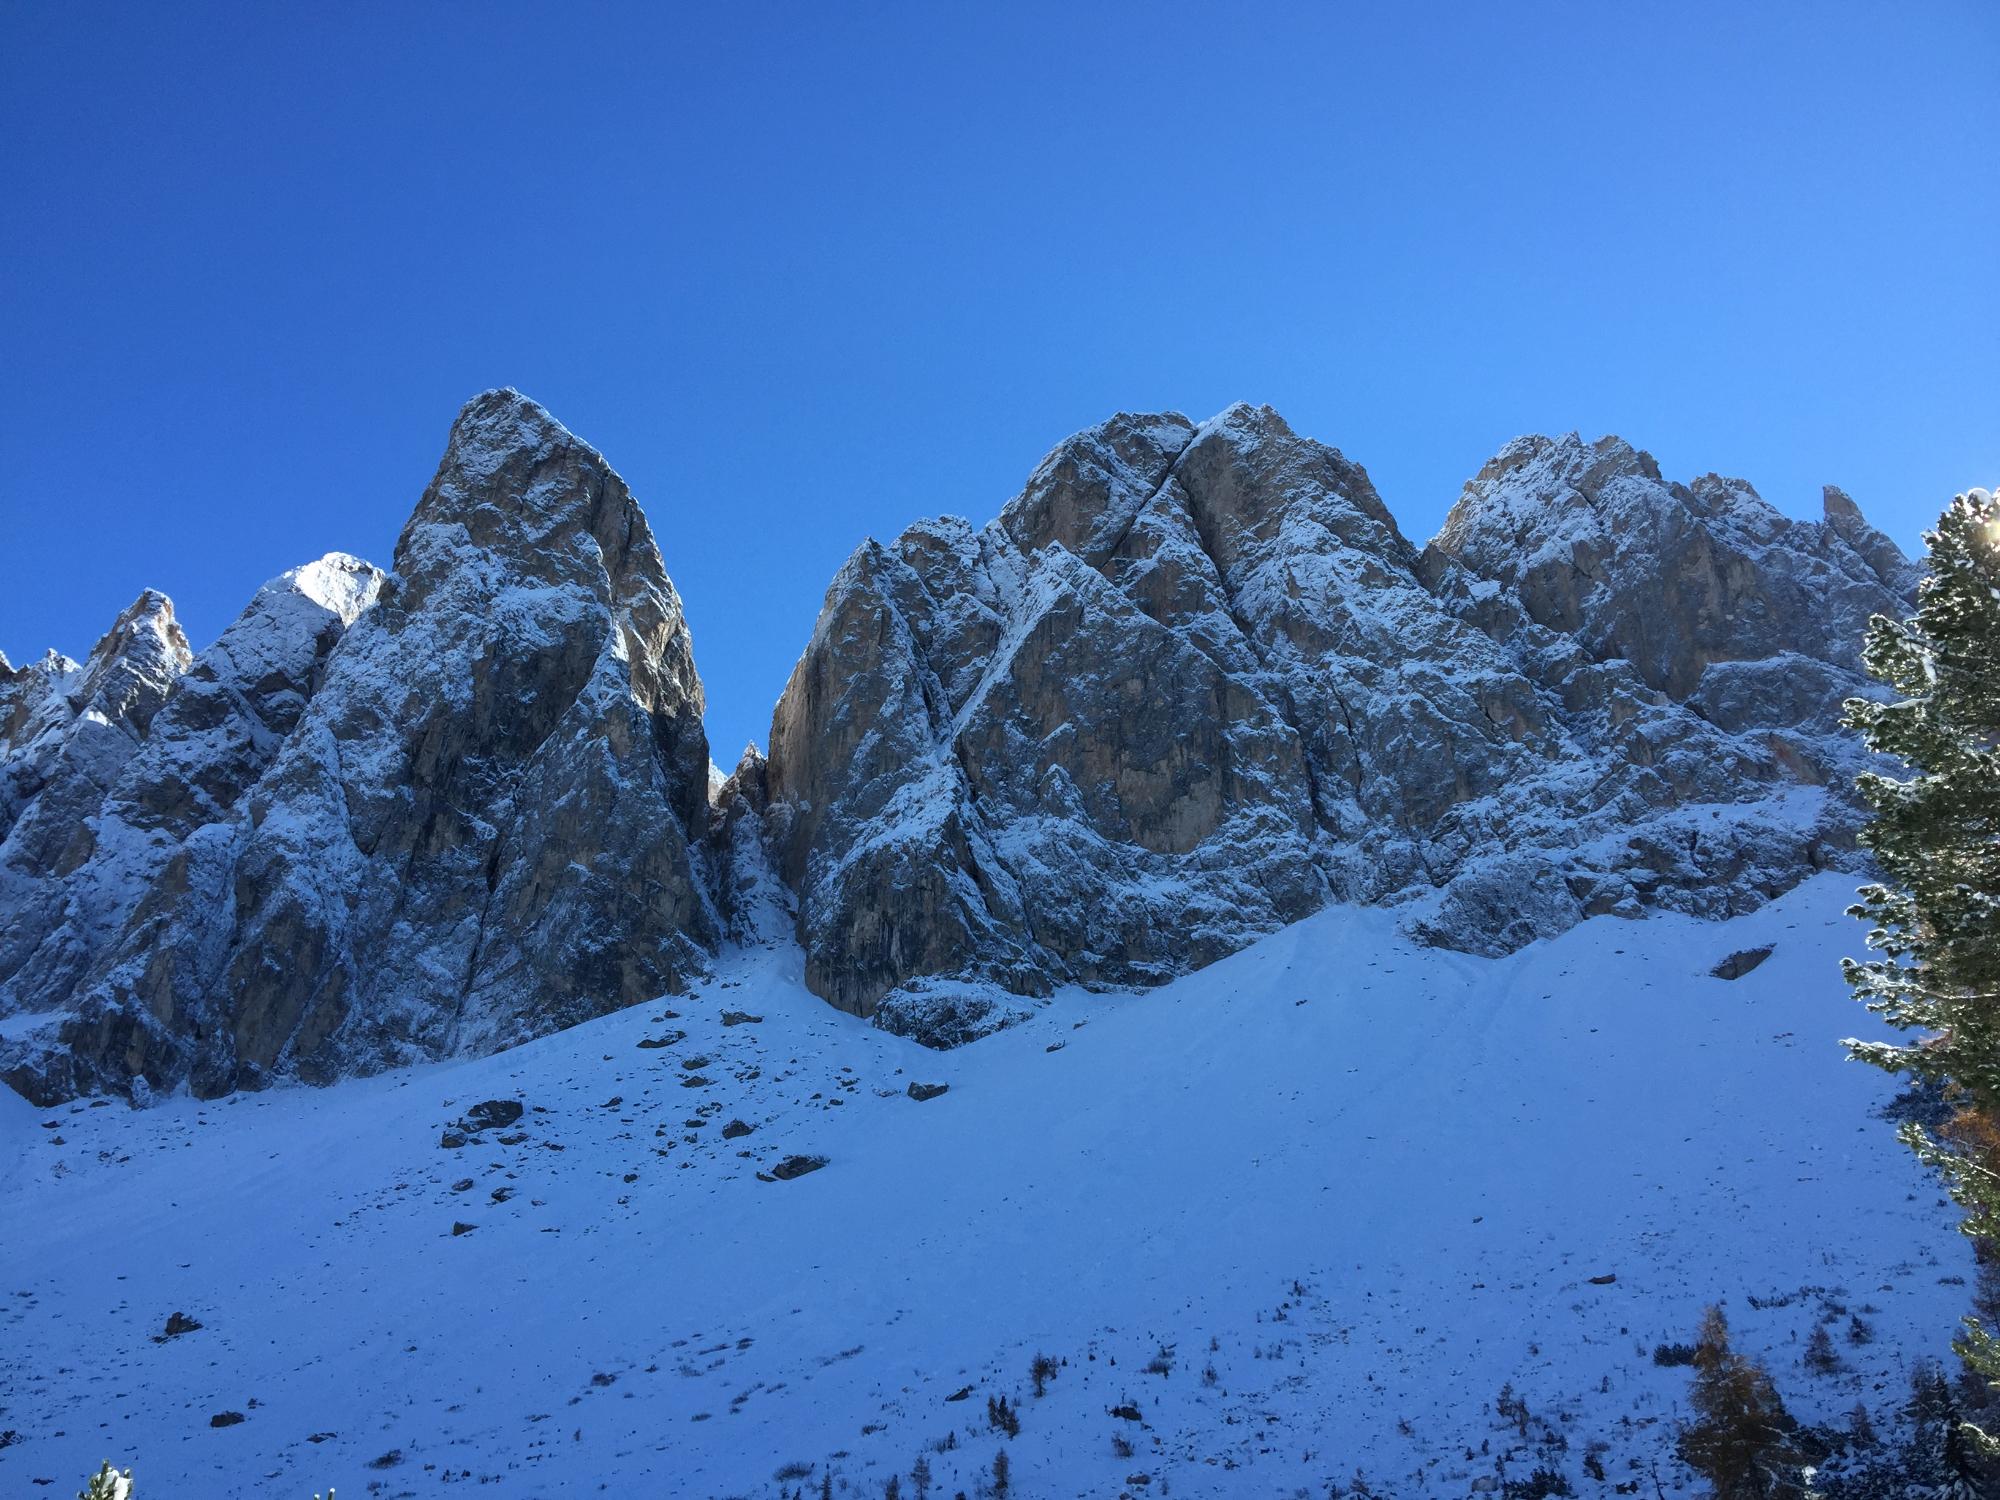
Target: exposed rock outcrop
[(1193, 682), (68, 733), (482, 823), (219, 727)]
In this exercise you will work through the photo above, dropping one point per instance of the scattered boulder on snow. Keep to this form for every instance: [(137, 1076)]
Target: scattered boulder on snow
[(797, 1166), (177, 1324), (1737, 964), (923, 1091), (492, 1114)]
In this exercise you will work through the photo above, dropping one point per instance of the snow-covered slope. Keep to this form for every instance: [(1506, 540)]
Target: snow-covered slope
[(1338, 1187)]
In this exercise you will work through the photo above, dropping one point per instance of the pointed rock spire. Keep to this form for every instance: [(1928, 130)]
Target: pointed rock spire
[(480, 826)]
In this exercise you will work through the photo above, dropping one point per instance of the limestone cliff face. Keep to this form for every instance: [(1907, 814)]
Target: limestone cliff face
[(474, 817), (1193, 683)]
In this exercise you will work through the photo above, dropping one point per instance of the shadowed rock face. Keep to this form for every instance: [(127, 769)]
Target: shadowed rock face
[(473, 820), (1193, 682)]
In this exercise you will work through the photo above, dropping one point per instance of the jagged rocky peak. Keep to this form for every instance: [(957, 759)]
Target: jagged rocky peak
[(508, 764), (66, 729), (1055, 749), (219, 728), (1193, 682), (474, 817), (132, 669), (123, 681), (1085, 495), (1669, 577), (1844, 519), (26, 696)]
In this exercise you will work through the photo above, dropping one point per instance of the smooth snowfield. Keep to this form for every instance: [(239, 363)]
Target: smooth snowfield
[(1362, 1183)]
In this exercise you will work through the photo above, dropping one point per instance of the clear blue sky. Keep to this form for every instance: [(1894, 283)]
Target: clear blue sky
[(806, 272)]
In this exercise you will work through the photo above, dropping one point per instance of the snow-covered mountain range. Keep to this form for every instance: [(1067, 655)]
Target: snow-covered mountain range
[(1191, 685), (1402, 978)]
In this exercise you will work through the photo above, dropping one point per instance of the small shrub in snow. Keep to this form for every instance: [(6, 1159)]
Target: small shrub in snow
[(1041, 1372), (1001, 1416), (1820, 1356), (1511, 1409), (107, 1484), (1541, 1484)]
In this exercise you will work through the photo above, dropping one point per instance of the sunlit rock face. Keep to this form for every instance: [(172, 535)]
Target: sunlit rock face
[(1193, 683)]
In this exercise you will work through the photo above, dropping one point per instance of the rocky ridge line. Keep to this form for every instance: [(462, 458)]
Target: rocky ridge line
[(1191, 684)]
